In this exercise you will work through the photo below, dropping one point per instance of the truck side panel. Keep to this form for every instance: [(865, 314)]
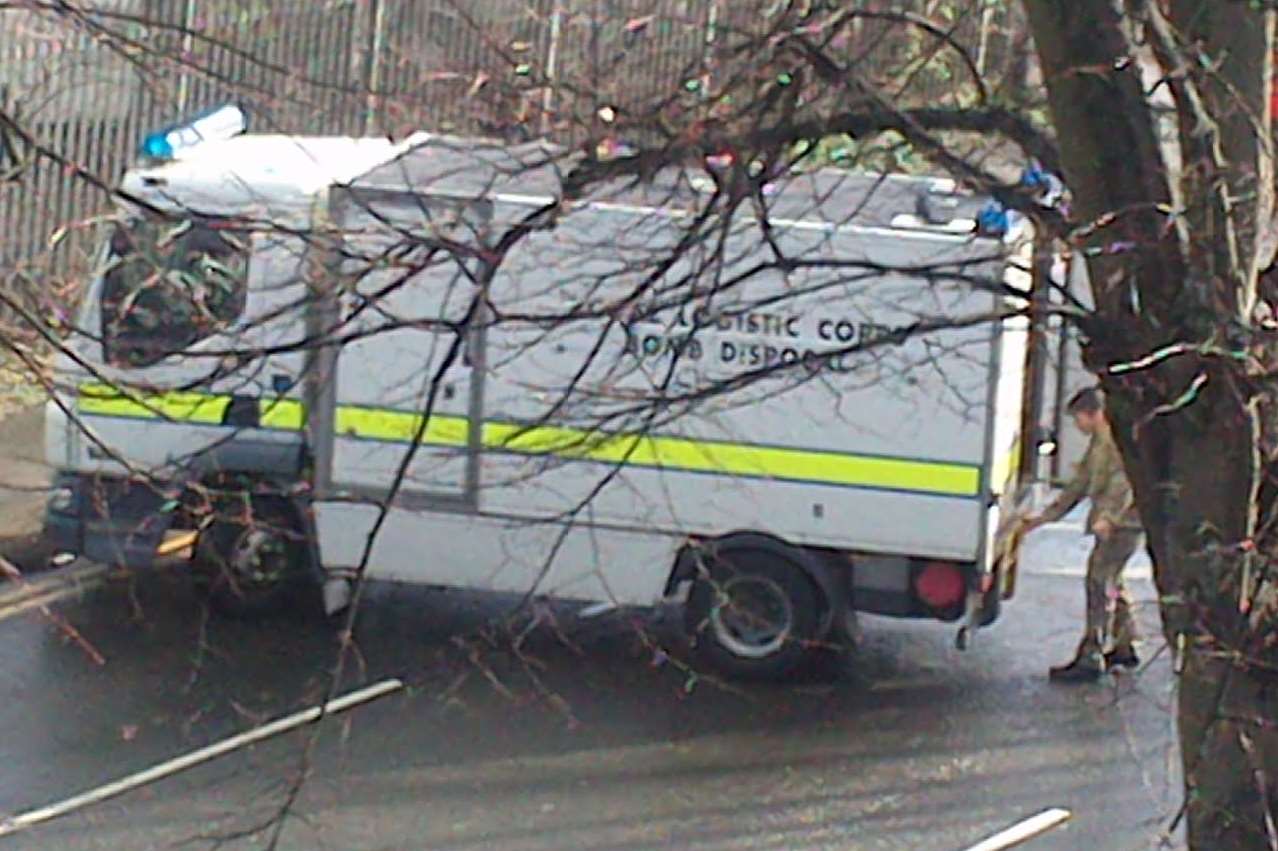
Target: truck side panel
[(879, 449), (504, 554), (696, 416)]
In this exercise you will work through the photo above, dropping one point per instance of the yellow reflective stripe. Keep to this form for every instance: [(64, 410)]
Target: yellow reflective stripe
[(676, 453), (567, 443), (400, 426), (284, 414), (201, 408), (103, 400), (672, 453)]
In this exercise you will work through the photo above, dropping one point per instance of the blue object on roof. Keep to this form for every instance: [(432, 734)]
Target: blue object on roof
[(1034, 176), (993, 220), (220, 122), (157, 147)]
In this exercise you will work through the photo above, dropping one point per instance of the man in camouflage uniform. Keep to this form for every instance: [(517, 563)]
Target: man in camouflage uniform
[(1115, 524)]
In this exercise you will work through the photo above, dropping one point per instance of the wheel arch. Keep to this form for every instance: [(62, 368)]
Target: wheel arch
[(270, 470), (830, 592)]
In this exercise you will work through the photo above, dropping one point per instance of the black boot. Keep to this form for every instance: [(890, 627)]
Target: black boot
[(1122, 659), (1084, 669)]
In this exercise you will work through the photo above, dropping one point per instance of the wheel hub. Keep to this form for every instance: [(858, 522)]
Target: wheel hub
[(752, 616), (260, 556)]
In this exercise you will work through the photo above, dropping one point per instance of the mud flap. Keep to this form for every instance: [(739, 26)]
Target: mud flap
[(337, 593), (975, 617)]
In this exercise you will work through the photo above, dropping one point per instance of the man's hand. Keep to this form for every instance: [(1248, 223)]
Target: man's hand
[(1102, 529)]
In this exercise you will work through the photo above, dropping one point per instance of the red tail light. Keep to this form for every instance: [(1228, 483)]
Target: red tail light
[(939, 585)]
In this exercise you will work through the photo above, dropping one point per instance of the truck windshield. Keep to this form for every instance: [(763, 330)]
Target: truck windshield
[(169, 284)]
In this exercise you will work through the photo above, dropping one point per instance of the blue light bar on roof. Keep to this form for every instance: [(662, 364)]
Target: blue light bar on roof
[(220, 122), (992, 220)]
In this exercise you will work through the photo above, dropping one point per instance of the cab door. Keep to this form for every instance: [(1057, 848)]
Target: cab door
[(189, 343)]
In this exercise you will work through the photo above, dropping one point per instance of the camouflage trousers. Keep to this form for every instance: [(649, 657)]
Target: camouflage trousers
[(1109, 607)]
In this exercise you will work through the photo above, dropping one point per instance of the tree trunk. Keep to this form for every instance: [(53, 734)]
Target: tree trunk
[(1186, 420)]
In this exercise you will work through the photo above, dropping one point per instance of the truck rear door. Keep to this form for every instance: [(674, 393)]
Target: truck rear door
[(409, 280)]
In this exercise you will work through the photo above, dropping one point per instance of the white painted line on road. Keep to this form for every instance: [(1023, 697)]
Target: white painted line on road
[(1024, 831), (16, 589), (22, 821), (62, 583), (43, 601)]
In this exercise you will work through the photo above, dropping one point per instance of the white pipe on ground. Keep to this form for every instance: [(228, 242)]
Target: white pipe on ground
[(22, 821), (1024, 831)]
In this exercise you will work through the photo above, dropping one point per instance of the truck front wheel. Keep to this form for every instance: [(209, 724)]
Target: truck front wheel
[(752, 614), (251, 562)]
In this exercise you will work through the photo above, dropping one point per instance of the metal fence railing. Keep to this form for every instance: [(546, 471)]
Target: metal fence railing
[(493, 67), (304, 66)]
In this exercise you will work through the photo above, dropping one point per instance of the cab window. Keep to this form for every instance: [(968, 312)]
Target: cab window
[(169, 284)]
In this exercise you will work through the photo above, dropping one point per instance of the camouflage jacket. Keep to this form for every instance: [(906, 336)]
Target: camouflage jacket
[(1100, 478)]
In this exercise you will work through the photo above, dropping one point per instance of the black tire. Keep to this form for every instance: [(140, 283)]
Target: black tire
[(755, 615), (250, 567)]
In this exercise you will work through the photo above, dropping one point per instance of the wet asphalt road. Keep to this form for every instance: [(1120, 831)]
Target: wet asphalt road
[(583, 743)]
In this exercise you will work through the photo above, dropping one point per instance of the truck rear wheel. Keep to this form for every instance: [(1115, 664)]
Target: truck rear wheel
[(753, 614), (251, 565)]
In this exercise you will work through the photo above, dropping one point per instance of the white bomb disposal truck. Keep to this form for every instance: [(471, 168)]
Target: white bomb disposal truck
[(316, 355)]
